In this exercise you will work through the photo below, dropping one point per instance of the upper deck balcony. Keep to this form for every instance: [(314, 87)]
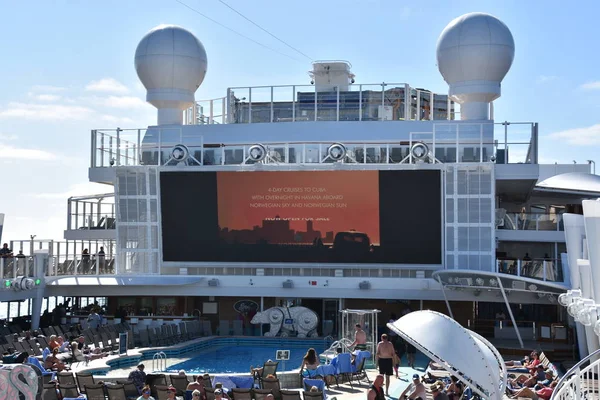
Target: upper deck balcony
[(91, 217), (221, 131)]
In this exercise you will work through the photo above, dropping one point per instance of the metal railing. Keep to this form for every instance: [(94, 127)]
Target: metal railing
[(543, 269), (11, 267), (447, 142), (91, 212), (581, 381), (532, 222), (359, 102), (207, 112), (159, 361)]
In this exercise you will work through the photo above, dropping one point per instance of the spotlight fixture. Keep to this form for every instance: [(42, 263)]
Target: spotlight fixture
[(336, 151), (420, 151), (180, 153), (567, 298), (257, 152)]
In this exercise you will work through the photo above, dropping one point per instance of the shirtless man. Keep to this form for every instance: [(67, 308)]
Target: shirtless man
[(360, 338), (384, 356)]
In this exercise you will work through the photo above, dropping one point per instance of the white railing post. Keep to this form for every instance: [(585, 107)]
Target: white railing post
[(272, 110), (294, 103), (418, 105), (223, 111), (69, 214), (93, 149), (119, 146), (249, 105), (337, 103), (360, 92)]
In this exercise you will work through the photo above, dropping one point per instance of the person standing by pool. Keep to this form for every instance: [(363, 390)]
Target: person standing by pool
[(360, 338), (384, 356), (138, 377)]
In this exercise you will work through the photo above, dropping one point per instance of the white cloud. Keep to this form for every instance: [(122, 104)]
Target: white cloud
[(45, 97), (47, 88), (587, 136), (116, 120), (124, 102), (546, 78), (55, 112), (79, 189), (6, 138), (594, 85), (18, 153), (108, 85)]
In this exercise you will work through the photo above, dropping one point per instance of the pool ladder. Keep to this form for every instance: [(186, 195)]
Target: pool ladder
[(159, 360)]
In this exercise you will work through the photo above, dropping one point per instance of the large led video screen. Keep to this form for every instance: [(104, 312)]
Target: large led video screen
[(302, 216)]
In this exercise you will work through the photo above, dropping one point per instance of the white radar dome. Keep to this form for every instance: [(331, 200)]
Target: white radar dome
[(171, 63), (474, 53)]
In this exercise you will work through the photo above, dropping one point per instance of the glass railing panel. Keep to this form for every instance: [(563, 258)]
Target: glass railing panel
[(284, 98), (545, 269), (261, 105), (234, 154), (513, 142), (532, 222), (313, 153)]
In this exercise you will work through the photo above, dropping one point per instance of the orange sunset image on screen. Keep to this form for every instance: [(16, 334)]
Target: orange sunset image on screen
[(312, 207)]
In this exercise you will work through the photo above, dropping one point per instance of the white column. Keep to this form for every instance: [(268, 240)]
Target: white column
[(591, 212), (574, 234), (39, 261), (587, 293)]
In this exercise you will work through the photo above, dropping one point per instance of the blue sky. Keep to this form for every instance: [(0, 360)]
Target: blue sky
[(67, 68)]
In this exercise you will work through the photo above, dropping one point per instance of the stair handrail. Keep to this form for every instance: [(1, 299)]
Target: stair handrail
[(161, 361), (574, 372)]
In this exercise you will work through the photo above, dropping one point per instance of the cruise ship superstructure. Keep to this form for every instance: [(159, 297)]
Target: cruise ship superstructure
[(331, 195)]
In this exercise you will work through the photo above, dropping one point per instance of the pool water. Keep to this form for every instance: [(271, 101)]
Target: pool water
[(239, 358)]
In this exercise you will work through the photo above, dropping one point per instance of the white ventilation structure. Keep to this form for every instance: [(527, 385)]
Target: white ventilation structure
[(171, 63), (474, 53), (330, 76)]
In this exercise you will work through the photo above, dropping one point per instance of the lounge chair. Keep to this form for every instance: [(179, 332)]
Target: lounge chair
[(269, 368)]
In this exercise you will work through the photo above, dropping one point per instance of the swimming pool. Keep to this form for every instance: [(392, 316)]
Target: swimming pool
[(238, 357)]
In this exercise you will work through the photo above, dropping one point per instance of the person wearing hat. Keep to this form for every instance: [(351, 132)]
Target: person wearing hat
[(138, 377), (437, 391), (171, 392), (218, 394), (546, 382), (415, 391)]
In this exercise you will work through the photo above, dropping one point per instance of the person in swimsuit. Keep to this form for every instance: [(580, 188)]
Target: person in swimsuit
[(360, 338), (384, 356)]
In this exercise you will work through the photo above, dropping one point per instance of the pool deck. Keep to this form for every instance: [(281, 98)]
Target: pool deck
[(342, 392)]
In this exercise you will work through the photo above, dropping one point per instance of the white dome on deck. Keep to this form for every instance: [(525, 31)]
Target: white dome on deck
[(474, 53), (171, 64)]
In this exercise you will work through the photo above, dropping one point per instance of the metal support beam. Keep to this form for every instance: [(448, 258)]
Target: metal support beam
[(510, 313), (445, 297)]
